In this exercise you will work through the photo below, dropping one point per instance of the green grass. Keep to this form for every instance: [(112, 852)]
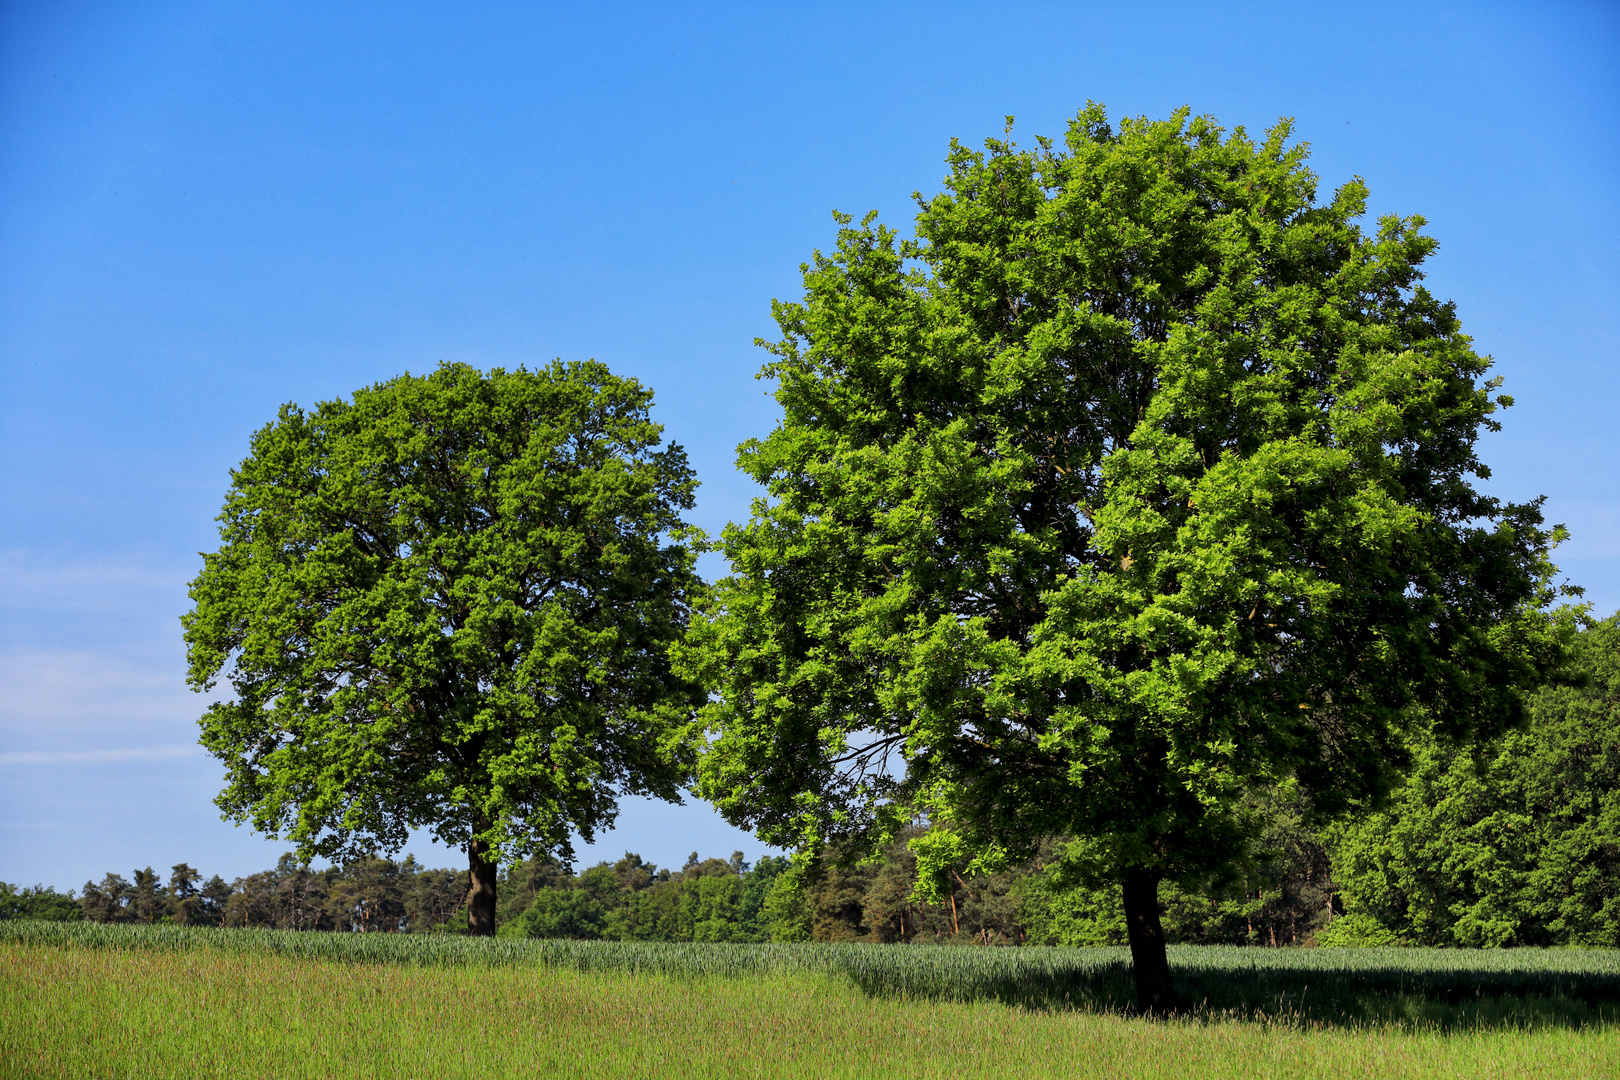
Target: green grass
[(93, 1001), (1346, 986)]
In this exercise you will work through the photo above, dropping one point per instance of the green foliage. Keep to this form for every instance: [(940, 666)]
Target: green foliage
[(559, 913), (833, 898), (1138, 487), (1514, 842), (759, 885), (1074, 917), (1356, 931), (448, 603), (632, 900), (1277, 896), (38, 902), (185, 900), (787, 916)]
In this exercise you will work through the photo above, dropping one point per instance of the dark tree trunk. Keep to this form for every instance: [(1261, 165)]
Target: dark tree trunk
[(481, 890), (1154, 991)]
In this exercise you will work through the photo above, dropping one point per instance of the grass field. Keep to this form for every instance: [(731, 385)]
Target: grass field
[(88, 1001)]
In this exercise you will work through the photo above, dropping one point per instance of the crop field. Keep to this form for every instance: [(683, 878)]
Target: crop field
[(83, 1000)]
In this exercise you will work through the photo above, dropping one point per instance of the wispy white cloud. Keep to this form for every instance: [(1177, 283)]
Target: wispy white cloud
[(126, 586), (51, 695), (128, 605), (32, 574), (96, 757)]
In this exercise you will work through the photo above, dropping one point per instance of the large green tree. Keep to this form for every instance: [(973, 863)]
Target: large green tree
[(1138, 481), (448, 603)]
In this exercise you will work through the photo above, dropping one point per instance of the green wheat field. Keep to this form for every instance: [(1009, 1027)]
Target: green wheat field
[(88, 1000)]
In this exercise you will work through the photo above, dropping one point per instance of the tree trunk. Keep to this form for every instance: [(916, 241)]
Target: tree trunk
[(481, 890), (1149, 964)]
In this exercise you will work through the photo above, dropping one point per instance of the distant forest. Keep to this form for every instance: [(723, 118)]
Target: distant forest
[(1512, 843), (704, 900)]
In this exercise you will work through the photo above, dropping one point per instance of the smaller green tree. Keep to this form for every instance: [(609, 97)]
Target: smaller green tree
[(148, 899), (447, 603), (185, 895), (215, 894), (108, 900)]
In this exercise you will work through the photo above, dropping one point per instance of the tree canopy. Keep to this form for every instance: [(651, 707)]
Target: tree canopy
[(1137, 483), (449, 603)]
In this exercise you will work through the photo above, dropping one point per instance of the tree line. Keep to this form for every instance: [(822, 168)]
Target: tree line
[(373, 894), (1510, 843)]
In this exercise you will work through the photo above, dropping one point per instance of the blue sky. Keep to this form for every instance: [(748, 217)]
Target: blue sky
[(207, 210)]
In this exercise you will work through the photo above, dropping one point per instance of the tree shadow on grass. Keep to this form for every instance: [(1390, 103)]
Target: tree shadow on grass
[(1407, 999), (1404, 999)]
